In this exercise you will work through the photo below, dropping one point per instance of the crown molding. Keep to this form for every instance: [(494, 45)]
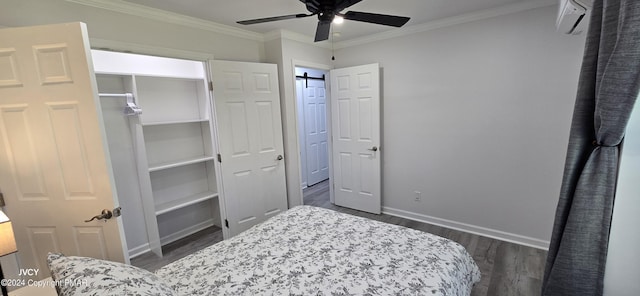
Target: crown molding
[(285, 34), (445, 22), (169, 17), (112, 45), (290, 35)]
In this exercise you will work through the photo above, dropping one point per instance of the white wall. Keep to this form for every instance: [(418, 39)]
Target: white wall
[(125, 174), (293, 53), (623, 268), (124, 28), (476, 117)]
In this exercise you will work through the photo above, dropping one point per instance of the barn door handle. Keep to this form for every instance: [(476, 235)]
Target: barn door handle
[(105, 215)]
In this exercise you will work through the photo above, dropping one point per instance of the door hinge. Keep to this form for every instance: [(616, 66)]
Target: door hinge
[(211, 85), (219, 158), (226, 223)]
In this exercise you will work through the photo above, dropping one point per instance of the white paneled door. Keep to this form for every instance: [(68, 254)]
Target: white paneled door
[(54, 164), (355, 116), (247, 104), (315, 129)]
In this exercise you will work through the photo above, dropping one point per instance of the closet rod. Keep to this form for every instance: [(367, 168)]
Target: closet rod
[(116, 95), (131, 108)]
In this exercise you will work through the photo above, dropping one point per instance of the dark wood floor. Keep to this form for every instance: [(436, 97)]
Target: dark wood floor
[(507, 269), (178, 249)]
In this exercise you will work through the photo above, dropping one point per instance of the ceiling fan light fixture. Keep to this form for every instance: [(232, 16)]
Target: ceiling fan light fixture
[(329, 11)]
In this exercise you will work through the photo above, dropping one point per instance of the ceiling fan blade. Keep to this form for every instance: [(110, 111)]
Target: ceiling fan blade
[(342, 4), (322, 32), (381, 19), (275, 18)]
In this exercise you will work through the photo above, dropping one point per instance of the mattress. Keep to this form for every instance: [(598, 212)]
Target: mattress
[(315, 251)]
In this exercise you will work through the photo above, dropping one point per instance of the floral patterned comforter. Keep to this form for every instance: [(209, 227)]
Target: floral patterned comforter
[(315, 251)]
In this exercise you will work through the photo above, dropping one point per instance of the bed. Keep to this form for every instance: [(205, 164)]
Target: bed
[(311, 251), (315, 251)]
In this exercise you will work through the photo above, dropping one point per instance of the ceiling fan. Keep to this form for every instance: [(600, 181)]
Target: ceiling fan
[(326, 10)]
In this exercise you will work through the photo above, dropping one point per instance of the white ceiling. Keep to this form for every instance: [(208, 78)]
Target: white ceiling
[(227, 12)]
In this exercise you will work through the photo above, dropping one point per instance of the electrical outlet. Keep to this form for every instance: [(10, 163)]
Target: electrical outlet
[(417, 196)]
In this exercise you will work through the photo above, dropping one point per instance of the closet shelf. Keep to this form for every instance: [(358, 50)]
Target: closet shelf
[(184, 202), (177, 163), (175, 122), (185, 77)]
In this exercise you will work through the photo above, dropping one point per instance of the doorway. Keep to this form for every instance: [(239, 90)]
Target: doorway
[(165, 194), (352, 111), (313, 134)]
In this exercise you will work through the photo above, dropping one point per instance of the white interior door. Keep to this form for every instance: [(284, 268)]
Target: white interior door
[(54, 164), (315, 128), (355, 117), (247, 107)]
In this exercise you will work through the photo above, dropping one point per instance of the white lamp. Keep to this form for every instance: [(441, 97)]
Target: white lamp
[(7, 243)]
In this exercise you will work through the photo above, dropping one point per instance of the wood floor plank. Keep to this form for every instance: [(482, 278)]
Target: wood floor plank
[(534, 262), (484, 255), (178, 249), (480, 290), (506, 260), (513, 284)]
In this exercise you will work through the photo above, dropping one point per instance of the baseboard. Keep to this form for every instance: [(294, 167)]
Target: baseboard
[(492, 233), (186, 232), (139, 250)]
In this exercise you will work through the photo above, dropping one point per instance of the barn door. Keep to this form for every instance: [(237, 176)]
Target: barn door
[(315, 131), (54, 162), (247, 108), (355, 117)]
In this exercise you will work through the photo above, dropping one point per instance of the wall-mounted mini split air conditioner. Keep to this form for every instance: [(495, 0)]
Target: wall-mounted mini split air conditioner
[(572, 16)]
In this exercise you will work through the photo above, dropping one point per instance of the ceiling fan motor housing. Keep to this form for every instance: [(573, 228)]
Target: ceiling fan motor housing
[(326, 16), (325, 9)]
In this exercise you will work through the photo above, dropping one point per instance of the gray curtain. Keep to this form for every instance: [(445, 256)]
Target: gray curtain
[(608, 88)]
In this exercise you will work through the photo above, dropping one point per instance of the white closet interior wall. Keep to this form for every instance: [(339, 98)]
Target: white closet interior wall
[(179, 150)]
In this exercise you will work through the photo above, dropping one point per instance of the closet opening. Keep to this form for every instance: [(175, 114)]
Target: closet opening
[(159, 121), (312, 101)]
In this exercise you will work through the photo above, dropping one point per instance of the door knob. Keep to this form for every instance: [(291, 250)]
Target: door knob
[(279, 157), (374, 149), (106, 215)]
